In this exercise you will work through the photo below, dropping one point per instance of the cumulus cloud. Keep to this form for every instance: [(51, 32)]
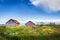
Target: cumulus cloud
[(53, 5)]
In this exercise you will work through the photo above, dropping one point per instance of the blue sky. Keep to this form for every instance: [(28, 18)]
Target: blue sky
[(34, 10)]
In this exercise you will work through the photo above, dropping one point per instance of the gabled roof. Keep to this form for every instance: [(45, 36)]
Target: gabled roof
[(30, 22), (13, 21)]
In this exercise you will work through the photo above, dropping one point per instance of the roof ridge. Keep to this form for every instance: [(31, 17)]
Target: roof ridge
[(14, 21)]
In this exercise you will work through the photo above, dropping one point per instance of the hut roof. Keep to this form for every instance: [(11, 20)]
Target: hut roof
[(30, 22), (13, 21)]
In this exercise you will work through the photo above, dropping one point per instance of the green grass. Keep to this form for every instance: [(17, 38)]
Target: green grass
[(29, 33)]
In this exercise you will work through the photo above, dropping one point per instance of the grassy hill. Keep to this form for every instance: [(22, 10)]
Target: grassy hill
[(28, 33)]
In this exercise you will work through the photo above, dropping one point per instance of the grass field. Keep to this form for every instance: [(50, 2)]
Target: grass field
[(29, 33)]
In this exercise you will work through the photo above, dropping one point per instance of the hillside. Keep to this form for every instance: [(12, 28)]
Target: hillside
[(29, 33)]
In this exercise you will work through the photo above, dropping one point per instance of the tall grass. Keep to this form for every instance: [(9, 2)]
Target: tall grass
[(29, 33)]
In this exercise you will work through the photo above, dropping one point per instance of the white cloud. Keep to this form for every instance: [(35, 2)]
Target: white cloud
[(47, 20), (41, 20), (53, 5)]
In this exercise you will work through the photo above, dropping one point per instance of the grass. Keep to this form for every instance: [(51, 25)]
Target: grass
[(29, 33)]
